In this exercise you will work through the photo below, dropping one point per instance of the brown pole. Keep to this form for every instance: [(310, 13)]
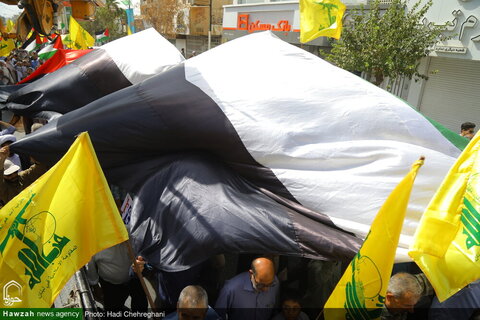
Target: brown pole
[(139, 274)]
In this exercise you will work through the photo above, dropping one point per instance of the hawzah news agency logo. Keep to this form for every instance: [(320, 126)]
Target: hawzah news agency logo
[(8, 293)]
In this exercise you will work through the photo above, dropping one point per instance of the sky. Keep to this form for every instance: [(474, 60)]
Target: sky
[(8, 11)]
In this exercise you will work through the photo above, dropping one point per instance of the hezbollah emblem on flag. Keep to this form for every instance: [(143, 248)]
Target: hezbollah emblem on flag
[(52, 228), (38, 254), (359, 295), (331, 9), (470, 217), (320, 18)]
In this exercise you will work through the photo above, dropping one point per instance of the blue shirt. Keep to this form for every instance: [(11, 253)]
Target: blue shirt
[(459, 306), (240, 301), (8, 130)]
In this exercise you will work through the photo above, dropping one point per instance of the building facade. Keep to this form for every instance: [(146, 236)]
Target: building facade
[(281, 17), (451, 95), (192, 25)]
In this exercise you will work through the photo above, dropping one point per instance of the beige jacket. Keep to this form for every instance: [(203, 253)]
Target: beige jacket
[(8, 190)]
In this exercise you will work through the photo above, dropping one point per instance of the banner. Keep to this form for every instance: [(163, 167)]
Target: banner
[(130, 20)]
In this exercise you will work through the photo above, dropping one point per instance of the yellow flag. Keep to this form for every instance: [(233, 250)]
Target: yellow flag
[(53, 228), (10, 26), (6, 46), (67, 41), (129, 31), (360, 293), (447, 242), (320, 18), (81, 39)]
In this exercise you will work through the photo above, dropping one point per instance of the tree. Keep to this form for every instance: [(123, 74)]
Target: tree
[(388, 44), (161, 15), (110, 17)]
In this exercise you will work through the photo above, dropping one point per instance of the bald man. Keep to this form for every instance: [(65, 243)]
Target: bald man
[(250, 295)]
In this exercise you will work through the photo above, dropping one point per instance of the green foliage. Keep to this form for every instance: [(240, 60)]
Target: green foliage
[(386, 43), (109, 17)]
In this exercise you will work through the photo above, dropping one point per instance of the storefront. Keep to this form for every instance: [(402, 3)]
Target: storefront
[(282, 18), (451, 95)]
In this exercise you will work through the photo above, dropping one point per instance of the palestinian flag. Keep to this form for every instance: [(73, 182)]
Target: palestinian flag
[(254, 146), (48, 51), (37, 44), (114, 66), (102, 36), (60, 58), (33, 46)]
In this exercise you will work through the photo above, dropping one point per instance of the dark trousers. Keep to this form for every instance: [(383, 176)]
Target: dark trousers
[(114, 295), (170, 284)]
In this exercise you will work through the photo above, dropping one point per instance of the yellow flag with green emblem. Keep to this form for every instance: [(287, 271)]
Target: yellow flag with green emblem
[(53, 228), (360, 293), (6, 46), (320, 18), (81, 39), (447, 242)]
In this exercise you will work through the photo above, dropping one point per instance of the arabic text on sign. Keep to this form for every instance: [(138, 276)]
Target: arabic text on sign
[(243, 23), (448, 49)]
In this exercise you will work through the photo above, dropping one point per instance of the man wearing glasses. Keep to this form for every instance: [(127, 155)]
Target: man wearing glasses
[(250, 295)]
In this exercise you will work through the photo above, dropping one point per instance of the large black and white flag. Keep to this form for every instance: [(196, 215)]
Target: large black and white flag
[(282, 119)]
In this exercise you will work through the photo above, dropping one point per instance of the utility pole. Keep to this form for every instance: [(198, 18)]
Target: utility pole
[(210, 27)]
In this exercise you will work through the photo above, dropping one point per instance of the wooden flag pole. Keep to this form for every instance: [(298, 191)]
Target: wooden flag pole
[(139, 274)]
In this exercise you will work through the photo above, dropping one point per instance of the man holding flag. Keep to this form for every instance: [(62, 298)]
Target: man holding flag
[(361, 292)]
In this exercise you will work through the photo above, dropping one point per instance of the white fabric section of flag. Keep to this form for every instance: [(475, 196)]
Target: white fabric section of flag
[(138, 55), (100, 37), (47, 52), (340, 144), (32, 46)]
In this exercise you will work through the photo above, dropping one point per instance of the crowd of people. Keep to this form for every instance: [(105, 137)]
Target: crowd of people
[(263, 292), (18, 65)]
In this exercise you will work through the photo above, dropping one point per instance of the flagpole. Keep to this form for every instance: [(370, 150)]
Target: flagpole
[(319, 315), (139, 274)]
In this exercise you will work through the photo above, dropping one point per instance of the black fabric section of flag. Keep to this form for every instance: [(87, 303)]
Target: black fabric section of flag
[(6, 91), (195, 206), (88, 78), (161, 115)]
